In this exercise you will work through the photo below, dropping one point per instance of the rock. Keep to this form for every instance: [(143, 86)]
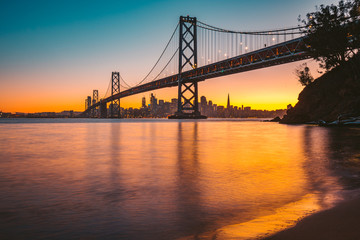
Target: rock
[(276, 119), (333, 94)]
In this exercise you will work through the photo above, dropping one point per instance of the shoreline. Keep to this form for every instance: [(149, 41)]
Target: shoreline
[(339, 222)]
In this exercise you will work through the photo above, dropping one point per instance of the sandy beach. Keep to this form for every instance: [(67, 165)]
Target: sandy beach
[(339, 223)]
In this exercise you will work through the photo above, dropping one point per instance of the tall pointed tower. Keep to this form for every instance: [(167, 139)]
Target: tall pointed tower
[(228, 102)]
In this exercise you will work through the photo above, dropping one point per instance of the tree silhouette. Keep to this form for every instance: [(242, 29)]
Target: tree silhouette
[(304, 75), (334, 34)]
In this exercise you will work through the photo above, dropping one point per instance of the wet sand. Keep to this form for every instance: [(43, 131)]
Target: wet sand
[(341, 222)]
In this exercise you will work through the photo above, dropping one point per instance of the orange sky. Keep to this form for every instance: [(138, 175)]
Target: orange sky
[(50, 61), (270, 88)]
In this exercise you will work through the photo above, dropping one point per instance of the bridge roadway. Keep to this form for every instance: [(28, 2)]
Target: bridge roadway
[(285, 52)]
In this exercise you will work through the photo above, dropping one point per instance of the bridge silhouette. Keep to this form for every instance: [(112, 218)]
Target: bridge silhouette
[(197, 51)]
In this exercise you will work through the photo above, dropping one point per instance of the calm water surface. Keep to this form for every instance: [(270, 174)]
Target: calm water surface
[(168, 179)]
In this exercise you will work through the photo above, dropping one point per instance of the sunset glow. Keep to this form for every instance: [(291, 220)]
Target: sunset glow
[(51, 62)]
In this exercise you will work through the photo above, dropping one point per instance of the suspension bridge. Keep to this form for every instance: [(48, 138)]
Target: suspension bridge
[(195, 52)]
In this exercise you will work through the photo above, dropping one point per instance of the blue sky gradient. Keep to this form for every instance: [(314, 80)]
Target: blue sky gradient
[(59, 45)]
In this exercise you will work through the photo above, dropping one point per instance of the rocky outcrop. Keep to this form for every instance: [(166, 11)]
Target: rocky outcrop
[(334, 94)]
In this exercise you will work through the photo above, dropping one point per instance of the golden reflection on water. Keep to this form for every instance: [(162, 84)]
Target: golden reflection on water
[(168, 179), (263, 166), (284, 217)]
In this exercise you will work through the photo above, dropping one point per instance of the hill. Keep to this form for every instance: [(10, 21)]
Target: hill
[(334, 94)]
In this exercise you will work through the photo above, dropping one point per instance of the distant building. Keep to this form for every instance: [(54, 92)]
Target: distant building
[(173, 105), (228, 102), (87, 102), (20, 114), (113, 107), (203, 105), (153, 103), (203, 100), (69, 113), (143, 102)]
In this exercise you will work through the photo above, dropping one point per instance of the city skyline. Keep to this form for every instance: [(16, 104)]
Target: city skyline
[(51, 61), (161, 108)]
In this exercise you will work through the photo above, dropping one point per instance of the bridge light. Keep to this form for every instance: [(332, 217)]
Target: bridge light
[(240, 43), (219, 51), (246, 48), (273, 39), (225, 54)]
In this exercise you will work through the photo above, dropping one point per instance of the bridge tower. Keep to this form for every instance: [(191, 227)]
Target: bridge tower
[(187, 90), (94, 111), (115, 89)]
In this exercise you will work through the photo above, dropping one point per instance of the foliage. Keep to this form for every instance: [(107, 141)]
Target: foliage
[(304, 75), (334, 33)]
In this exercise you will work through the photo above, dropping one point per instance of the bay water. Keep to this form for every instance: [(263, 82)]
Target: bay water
[(169, 179)]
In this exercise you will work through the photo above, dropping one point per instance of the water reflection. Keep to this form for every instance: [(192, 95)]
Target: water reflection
[(345, 155), (114, 163), (316, 164), (322, 150), (333, 155), (157, 179), (188, 201)]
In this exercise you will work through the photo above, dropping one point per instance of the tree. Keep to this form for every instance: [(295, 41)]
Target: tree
[(333, 34), (304, 75)]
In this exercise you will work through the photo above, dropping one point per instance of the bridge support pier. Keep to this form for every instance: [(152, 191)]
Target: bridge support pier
[(187, 90)]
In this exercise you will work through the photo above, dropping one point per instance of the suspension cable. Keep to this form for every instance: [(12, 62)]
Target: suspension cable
[(165, 65), (124, 86), (159, 57), (107, 89), (128, 86), (270, 32)]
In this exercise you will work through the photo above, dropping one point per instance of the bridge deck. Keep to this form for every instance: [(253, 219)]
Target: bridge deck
[(282, 53)]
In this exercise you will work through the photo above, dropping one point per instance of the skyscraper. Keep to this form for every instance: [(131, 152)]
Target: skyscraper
[(153, 103), (228, 102), (143, 105), (203, 104)]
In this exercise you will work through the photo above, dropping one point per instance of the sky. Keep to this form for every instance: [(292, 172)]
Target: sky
[(54, 53)]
